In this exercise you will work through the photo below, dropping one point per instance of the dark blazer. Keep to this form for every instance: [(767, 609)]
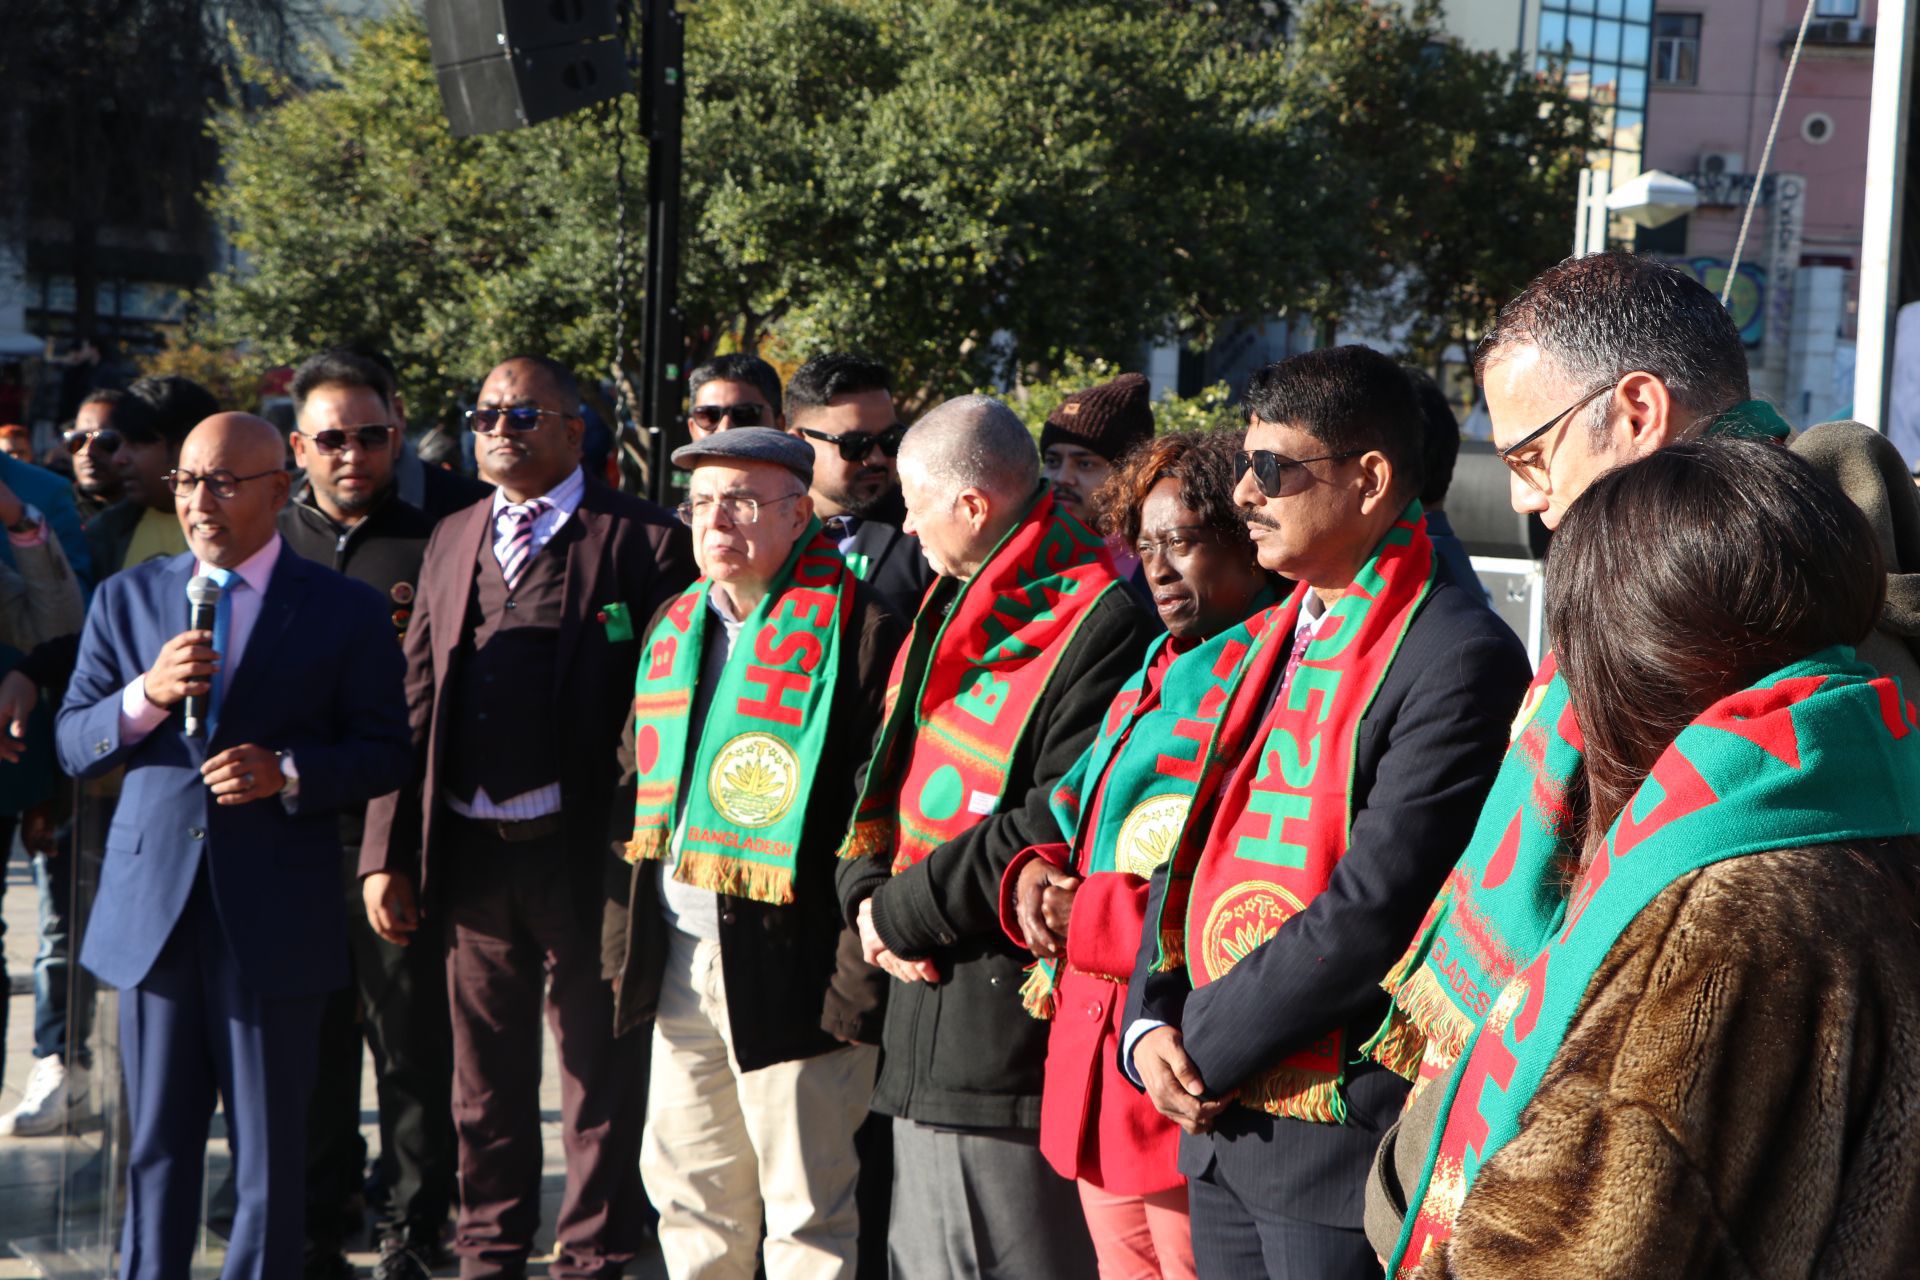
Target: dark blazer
[(320, 677), (895, 566), (108, 536), (795, 979), (963, 1051), (1427, 753), (628, 553)]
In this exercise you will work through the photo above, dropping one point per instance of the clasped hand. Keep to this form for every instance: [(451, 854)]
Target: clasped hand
[(881, 958), (1173, 1083), (1043, 904)]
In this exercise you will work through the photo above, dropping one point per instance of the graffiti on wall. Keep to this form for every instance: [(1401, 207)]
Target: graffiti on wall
[(1748, 300)]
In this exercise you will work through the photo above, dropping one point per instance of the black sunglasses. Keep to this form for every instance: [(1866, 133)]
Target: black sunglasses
[(106, 439), (743, 415), (1270, 470), (334, 439), (856, 445), (521, 417)]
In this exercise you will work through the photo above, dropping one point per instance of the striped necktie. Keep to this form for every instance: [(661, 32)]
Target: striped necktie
[(513, 544)]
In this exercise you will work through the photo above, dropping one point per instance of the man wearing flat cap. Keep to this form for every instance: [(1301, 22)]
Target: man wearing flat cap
[(753, 713)]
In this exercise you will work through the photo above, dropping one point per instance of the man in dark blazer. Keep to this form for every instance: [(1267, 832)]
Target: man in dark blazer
[(1272, 1195), (842, 405), (520, 669), (218, 914)]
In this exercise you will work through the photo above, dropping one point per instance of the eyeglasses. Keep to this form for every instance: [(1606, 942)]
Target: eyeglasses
[(738, 510), (1274, 473), (223, 483), (1178, 542), (856, 445), (106, 440), (1533, 471), (742, 415), (519, 417), (366, 439)]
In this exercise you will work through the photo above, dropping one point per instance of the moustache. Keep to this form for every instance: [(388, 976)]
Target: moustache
[(1251, 518)]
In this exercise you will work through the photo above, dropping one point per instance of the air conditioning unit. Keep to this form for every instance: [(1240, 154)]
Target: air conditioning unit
[(1716, 164)]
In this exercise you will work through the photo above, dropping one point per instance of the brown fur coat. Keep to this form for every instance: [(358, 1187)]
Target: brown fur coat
[(1738, 1096)]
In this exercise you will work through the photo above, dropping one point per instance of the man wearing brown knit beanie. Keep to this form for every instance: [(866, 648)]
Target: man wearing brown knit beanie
[(1086, 435)]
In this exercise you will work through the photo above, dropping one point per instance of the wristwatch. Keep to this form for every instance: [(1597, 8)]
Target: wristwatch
[(289, 775)]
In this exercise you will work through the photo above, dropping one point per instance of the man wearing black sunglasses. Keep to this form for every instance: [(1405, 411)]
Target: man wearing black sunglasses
[(736, 390), (842, 405), (348, 515), (104, 424)]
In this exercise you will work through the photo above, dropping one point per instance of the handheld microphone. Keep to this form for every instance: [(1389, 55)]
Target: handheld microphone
[(203, 597)]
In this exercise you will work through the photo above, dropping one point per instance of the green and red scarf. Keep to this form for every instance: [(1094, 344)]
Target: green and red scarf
[(1503, 897), (750, 778), (1822, 751), (1284, 814), (967, 681), (1146, 763)]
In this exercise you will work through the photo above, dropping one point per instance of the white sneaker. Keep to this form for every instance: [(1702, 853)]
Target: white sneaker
[(54, 1095)]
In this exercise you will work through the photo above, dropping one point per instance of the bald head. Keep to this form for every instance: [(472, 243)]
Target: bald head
[(967, 471), (974, 442), (237, 466)]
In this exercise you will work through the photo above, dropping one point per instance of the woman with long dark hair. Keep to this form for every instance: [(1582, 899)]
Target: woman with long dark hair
[(1712, 1067)]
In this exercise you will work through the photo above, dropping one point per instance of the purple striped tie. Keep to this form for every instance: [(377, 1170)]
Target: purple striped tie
[(513, 548)]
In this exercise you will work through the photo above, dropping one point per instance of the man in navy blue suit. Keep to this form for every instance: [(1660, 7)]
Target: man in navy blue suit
[(219, 913)]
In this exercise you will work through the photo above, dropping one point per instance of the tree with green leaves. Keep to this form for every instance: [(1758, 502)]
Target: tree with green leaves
[(973, 192)]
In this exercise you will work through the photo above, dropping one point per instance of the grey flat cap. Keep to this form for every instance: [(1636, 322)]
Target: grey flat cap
[(749, 444)]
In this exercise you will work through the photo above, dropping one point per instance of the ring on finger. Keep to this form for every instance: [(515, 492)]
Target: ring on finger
[(246, 780)]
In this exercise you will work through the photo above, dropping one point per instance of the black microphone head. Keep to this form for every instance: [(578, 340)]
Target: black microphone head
[(203, 590)]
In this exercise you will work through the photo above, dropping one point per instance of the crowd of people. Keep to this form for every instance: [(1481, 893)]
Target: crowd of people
[(941, 853)]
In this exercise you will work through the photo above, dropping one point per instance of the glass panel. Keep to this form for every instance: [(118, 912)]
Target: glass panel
[(1612, 8), (1836, 8), (1553, 39), (1633, 83), (1636, 44), (1580, 36), (1639, 10), (1606, 40), (1580, 6)]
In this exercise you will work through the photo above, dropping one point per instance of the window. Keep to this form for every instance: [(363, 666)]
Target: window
[(1676, 48), (1836, 8)]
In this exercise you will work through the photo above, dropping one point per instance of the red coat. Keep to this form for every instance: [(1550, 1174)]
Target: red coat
[(1094, 1124)]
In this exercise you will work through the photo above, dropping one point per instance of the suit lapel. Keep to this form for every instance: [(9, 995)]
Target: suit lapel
[(451, 610), (583, 578), (285, 590)]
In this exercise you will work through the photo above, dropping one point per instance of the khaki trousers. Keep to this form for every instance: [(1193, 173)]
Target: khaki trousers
[(724, 1147)]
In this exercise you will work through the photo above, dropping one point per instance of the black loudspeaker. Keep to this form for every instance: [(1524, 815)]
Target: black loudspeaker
[(506, 64)]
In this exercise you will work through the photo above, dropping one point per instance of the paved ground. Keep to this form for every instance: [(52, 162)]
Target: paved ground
[(37, 1217)]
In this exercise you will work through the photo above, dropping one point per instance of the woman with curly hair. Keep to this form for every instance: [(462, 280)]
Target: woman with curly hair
[(1079, 906)]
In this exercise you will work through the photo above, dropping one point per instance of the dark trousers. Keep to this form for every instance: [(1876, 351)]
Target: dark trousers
[(398, 1003), (513, 931), (193, 1030), (1235, 1238)]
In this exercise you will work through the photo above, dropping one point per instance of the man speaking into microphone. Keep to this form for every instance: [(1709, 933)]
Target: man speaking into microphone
[(250, 695)]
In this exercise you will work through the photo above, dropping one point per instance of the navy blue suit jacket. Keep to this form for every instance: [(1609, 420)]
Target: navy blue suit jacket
[(320, 677)]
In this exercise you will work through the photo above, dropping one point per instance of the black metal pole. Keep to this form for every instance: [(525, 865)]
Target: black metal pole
[(663, 35)]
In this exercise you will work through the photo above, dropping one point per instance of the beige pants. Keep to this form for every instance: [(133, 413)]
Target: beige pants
[(723, 1146)]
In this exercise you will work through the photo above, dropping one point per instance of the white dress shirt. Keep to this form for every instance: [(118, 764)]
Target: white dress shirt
[(563, 500)]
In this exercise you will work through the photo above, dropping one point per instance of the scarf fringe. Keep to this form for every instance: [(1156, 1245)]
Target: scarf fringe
[(1036, 993), (1173, 951), (1399, 1045), (1426, 1004), (752, 880), (1298, 1093), (649, 845), (868, 837)]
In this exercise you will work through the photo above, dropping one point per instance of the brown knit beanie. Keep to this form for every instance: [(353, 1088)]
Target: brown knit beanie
[(1108, 419)]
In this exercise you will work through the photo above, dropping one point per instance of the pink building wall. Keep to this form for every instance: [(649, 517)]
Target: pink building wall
[(1740, 71)]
